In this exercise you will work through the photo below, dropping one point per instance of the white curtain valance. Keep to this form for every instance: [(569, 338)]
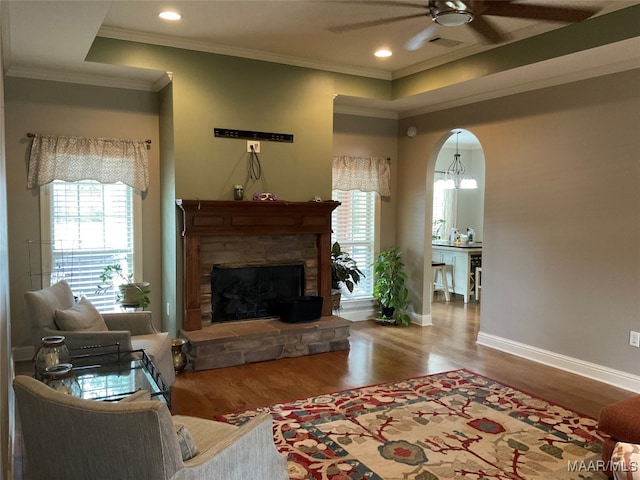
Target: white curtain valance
[(367, 174), (105, 160)]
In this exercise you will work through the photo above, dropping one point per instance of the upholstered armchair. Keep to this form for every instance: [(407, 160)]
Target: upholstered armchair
[(74, 439), (83, 326), (620, 423)]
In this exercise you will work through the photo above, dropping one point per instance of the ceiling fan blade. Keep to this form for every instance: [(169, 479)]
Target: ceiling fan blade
[(537, 12), (486, 30), (384, 3), (418, 40), (373, 23)]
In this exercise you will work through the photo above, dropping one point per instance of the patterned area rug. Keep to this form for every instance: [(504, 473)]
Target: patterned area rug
[(454, 425)]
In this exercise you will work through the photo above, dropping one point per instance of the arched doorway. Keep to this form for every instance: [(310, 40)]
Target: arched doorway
[(457, 216)]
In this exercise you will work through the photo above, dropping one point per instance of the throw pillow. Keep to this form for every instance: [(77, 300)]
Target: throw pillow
[(82, 316), (625, 461), (187, 445)]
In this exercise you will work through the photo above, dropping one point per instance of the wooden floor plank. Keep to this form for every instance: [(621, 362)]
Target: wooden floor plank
[(381, 354)]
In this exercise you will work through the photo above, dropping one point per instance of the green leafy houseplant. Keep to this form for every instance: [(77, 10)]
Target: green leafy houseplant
[(344, 269), (389, 286), (132, 294)]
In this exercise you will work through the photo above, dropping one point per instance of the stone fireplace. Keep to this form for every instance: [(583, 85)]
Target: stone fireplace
[(237, 235)]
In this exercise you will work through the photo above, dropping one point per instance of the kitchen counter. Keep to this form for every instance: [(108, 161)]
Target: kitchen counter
[(445, 243), (461, 260)]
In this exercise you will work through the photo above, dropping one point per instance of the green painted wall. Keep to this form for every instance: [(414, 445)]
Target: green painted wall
[(216, 91), (171, 296)]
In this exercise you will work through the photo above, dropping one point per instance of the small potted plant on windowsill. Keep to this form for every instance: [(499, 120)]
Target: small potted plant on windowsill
[(131, 294), (389, 287), (344, 271)]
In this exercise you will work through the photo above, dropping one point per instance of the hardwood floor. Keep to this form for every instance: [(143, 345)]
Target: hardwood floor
[(378, 354), (381, 354)]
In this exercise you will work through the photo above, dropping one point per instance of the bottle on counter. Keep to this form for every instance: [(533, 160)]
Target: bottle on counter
[(471, 234)]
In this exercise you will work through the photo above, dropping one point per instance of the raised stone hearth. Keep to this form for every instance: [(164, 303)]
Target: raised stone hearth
[(236, 343)]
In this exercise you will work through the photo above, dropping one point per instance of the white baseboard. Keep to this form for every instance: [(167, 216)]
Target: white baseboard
[(594, 371), (23, 354), (422, 320), (366, 309), (357, 310)]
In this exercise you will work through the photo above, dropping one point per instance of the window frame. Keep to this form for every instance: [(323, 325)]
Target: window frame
[(46, 250), (376, 204)]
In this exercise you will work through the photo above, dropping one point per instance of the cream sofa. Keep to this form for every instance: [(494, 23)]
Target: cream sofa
[(74, 439), (132, 330)]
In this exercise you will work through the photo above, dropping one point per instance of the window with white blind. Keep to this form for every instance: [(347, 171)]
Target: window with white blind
[(353, 224), (87, 225), (438, 217), (445, 201)]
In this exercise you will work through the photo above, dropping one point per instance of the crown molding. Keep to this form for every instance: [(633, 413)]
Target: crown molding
[(168, 41), (623, 61), (67, 76), (365, 112)]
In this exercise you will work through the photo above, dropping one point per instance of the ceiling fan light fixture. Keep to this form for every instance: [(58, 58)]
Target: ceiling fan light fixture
[(450, 13)]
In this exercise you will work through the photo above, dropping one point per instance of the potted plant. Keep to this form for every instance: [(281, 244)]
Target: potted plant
[(344, 271), (389, 286), (131, 294), (436, 229)]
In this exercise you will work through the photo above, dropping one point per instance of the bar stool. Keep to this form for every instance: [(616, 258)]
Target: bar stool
[(442, 268), (478, 282)]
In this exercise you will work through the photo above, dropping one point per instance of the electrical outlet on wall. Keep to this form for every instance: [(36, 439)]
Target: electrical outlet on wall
[(254, 144), (634, 338)]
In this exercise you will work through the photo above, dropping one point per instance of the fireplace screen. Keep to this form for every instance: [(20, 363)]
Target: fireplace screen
[(252, 292)]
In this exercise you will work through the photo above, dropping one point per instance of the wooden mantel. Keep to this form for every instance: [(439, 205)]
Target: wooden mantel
[(202, 218)]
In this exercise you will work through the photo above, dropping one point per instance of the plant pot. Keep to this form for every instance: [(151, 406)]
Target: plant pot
[(387, 312), (336, 295), (132, 294)]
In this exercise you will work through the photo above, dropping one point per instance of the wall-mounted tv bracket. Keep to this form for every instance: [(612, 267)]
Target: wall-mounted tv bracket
[(251, 135)]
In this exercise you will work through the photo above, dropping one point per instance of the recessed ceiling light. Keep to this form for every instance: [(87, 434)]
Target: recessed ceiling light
[(170, 15), (382, 53)]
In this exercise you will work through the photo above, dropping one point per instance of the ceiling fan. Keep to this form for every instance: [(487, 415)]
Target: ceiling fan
[(453, 13)]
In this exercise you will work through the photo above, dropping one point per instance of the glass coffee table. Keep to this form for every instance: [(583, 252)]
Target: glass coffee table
[(108, 374)]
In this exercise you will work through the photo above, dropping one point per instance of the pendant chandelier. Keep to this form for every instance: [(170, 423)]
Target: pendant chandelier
[(454, 176)]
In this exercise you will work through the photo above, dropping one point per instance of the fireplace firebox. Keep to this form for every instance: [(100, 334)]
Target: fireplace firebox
[(247, 292)]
